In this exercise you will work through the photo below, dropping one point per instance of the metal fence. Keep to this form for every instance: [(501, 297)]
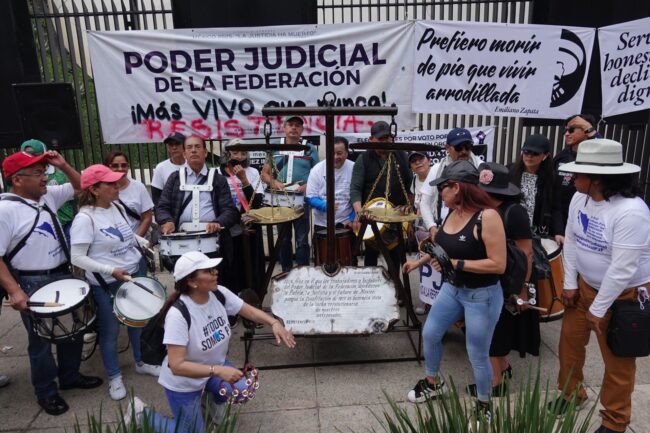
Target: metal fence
[(60, 34)]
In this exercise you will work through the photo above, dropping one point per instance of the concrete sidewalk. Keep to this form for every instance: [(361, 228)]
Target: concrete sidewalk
[(305, 400)]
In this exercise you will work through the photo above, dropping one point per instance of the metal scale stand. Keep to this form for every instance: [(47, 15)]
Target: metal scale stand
[(332, 265)]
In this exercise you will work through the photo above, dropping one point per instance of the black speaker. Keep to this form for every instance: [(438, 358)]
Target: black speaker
[(242, 13), (48, 113), (591, 13), (20, 65)]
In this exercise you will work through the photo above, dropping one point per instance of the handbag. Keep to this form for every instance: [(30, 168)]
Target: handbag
[(628, 334)]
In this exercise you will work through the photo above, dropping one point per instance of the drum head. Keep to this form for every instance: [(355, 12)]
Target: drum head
[(72, 291), (136, 304)]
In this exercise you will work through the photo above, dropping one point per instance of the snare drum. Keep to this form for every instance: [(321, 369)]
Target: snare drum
[(276, 197), (549, 290), (134, 306), (177, 244), (343, 246), (69, 321)]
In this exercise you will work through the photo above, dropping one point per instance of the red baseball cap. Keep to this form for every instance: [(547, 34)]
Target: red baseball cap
[(18, 161), (98, 173)]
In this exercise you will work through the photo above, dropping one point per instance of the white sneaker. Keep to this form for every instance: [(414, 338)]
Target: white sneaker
[(421, 310), (134, 412), (150, 369), (90, 337), (116, 388)]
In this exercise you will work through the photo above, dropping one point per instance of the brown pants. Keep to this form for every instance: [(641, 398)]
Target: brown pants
[(618, 382)]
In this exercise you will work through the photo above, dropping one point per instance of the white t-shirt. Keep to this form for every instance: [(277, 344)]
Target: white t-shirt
[(608, 244), (136, 197), (110, 237), (253, 177), (42, 249), (206, 341), (416, 190), (206, 208), (162, 172), (317, 187)]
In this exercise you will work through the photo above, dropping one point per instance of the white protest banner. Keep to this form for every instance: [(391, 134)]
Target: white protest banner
[(215, 82), (497, 69), (483, 140), (625, 67)]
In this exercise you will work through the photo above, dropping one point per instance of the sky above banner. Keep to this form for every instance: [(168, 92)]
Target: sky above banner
[(215, 82), (516, 70)]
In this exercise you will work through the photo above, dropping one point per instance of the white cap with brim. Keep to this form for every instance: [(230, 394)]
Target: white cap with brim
[(192, 261), (600, 156)]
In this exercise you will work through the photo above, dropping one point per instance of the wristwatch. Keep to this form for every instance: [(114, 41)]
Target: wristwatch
[(460, 265)]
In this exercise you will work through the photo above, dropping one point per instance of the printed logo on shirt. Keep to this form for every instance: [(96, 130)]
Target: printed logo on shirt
[(215, 332), (592, 236), (45, 229), (112, 232), (567, 178)]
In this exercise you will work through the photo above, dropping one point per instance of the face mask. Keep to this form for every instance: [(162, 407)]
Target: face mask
[(234, 162)]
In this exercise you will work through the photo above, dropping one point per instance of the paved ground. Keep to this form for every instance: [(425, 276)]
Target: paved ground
[(305, 400)]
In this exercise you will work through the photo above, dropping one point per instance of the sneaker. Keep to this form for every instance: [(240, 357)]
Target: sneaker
[(90, 337), (150, 369), (134, 412), (424, 391), (559, 406), (4, 380), (422, 309), (500, 390), (116, 388), (482, 414)]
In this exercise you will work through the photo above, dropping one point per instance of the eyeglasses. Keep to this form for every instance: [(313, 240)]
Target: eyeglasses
[(120, 165), (572, 129), (444, 185), (41, 174), (530, 153)]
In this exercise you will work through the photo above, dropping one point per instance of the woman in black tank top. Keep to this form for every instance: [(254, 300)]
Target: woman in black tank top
[(475, 294)]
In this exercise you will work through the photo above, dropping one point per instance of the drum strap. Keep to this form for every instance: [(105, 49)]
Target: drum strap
[(194, 192)]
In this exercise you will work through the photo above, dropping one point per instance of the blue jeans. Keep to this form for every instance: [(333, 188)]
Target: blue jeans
[(68, 354), (109, 328), (186, 407), (301, 228), (481, 309)]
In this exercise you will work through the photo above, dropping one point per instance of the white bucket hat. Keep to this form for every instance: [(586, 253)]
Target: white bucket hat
[(192, 261), (600, 156)]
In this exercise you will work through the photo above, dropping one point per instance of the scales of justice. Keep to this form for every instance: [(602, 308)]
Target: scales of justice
[(332, 299)]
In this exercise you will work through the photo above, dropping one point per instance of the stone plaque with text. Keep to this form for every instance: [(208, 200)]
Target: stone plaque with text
[(354, 301)]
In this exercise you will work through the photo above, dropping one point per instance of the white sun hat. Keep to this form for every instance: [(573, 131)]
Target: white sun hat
[(192, 261), (600, 156)]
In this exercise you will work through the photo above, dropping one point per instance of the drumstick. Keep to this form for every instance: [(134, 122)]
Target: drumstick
[(38, 304), (143, 287)]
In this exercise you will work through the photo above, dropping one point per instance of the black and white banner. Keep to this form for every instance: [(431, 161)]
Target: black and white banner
[(625, 67), (497, 69), (215, 82)]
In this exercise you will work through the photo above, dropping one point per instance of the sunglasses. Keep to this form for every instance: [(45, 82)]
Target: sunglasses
[(120, 165), (444, 185), (463, 146), (571, 129), (530, 153)]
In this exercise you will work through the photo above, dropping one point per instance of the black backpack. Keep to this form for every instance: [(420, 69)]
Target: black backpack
[(514, 277), (151, 341)]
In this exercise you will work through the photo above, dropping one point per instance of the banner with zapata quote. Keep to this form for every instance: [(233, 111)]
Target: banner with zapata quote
[(498, 69), (625, 67), (215, 82)]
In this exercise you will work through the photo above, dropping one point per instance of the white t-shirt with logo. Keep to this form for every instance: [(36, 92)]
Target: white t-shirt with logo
[(608, 244), (162, 172), (42, 250), (136, 198), (110, 238), (317, 187), (206, 342)]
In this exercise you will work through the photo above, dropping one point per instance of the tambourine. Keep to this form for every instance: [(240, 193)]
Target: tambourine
[(252, 384), (437, 252)]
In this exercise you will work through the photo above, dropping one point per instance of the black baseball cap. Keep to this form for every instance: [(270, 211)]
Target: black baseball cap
[(536, 143), (418, 154), (176, 137), (460, 171), (380, 129)]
